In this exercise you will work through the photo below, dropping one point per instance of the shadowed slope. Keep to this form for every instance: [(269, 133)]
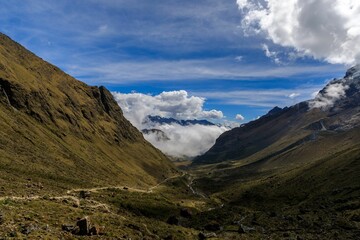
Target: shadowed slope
[(282, 129)]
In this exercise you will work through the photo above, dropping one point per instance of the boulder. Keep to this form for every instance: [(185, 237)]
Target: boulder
[(170, 237), (95, 230), (245, 229), (203, 235), (68, 228), (28, 228), (84, 194), (241, 229), (2, 218), (213, 226), (186, 213), (84, 226), (355, 218), (173, 220)]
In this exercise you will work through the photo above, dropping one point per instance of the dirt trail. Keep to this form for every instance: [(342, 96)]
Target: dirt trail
[(83, 202), (131, 189), (15, 198), (86, 202)]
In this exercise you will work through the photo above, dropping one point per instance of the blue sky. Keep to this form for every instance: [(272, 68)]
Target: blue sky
[(149, 47)]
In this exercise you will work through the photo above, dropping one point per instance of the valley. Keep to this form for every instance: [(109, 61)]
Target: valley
[(72, 166)]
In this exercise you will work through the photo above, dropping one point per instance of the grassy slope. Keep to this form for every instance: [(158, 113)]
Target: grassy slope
[(311, 191), (128, 214), (273, 132), (62, 133)]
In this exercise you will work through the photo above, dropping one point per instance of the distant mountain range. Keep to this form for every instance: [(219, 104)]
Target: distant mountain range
[(66, 151), (160, 135), (162, 120)]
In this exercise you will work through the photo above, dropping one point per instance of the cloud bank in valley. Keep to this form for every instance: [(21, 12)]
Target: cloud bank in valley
[(188, 141), (324, 29)]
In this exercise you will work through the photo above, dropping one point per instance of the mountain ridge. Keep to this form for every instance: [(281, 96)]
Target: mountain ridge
[(335, 108), (163, 120), (56, 127)]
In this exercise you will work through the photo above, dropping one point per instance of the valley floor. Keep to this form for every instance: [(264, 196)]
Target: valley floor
[(176, 209)]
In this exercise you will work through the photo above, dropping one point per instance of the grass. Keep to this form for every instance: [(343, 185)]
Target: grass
[(318, 198), (63, 133), (132, 215), (58, 134)]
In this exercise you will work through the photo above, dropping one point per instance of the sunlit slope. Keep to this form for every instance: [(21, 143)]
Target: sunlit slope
[(59, 131)]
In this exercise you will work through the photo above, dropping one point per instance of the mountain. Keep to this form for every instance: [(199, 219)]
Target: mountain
[(61, 132), (293, 173), (153, 120), (72, 166), (159, 135), (334, 110)]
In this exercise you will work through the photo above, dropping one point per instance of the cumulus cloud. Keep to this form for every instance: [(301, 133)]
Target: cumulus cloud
[(327, 98), (175, 104), (179, 141), (323, 29), (239, 117)]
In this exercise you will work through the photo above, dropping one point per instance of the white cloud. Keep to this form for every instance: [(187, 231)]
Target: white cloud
[(239, 117), (188, 69), (183, 141), (103, 29), (271, 54), (186, 141), (230, 124), (239, 58), (323, 29), (176, 104), (262, 97), (327, 98), (294, 95)]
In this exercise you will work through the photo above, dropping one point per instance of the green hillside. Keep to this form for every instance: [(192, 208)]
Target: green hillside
[(62, 133)]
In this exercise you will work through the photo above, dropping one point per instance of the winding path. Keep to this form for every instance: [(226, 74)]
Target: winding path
[(92, 203), (106, 207)]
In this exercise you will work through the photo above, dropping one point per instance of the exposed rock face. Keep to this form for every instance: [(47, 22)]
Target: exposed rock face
[(60, 129)]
